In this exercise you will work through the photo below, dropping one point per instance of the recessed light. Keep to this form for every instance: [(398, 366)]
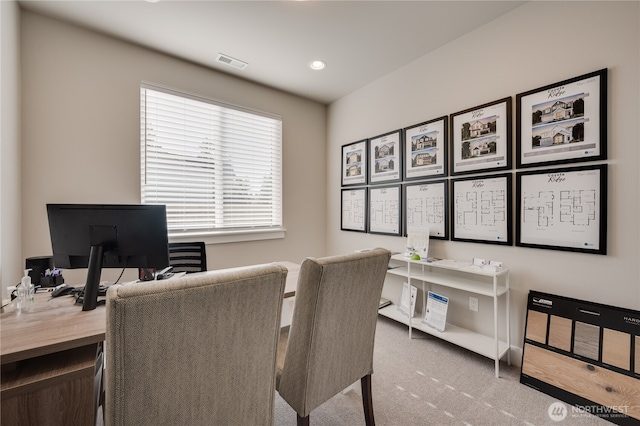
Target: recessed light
[(317, 64)]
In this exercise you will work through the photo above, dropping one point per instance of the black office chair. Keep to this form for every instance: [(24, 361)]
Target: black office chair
[(188, 257)]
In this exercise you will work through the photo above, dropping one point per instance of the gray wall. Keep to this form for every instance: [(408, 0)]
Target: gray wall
[(11, 260), (537, 44), (81, 136), (80, 128)]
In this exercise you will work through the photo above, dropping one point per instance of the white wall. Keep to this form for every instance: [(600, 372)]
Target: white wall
[(537, 44), (81, 136), (11, 262)]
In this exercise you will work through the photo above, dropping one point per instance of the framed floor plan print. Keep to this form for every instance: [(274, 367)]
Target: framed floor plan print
[(563, 209), (354, 210), (354, 163), (385, 158), (482, 209), (481, 138), (425, 149), (564, 122), (385, 205), (426, 206)]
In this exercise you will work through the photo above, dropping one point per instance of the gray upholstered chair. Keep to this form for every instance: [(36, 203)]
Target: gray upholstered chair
[(195, 350), (330, 341)]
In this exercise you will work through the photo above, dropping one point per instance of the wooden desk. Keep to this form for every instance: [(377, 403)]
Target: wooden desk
[(48, 357)]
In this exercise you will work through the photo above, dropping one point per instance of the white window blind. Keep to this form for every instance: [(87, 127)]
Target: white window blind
[(217, 167)]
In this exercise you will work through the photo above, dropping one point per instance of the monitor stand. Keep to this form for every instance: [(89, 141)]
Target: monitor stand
[(90, 299)]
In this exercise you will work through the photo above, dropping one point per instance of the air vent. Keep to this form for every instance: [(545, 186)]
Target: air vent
[(228, 60)]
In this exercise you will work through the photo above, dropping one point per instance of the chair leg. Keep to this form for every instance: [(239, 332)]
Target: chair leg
[(367, 400), (302, 421)]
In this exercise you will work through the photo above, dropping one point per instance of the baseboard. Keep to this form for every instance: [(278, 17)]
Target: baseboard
[(516, 356)]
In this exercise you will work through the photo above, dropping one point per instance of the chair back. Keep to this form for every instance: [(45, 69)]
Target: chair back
[(188, 256), (195, 350), (330, 343)]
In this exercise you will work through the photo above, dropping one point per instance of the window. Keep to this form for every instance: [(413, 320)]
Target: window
[(217, 167)]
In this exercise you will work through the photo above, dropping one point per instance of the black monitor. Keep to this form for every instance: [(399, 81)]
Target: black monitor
[(97, 236)]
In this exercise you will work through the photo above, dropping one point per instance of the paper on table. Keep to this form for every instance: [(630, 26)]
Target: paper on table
[(436, 313), (407, 303)]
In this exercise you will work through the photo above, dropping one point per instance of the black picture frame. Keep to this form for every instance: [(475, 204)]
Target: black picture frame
[(564, 122), (481, 209), (385, 210), (354, 210), (480, 138), (385, 158), (427, 204), (354, 161), (563, 209), (426, 147)]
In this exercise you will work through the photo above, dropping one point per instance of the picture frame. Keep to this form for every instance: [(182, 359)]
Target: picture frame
[(354, 162), (426, 147), (354, 210), (480, 138), (385, 158), (481, 209), (563, 209), (385, 207), (562, 123), (426, 205)]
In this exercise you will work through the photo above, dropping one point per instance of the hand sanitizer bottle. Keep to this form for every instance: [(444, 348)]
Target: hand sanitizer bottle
[(26, 292)]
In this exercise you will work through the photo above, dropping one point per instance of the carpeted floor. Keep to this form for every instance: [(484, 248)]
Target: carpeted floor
[(426, 381)]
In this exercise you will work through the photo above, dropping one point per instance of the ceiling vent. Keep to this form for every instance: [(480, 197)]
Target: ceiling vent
[(228, 60)]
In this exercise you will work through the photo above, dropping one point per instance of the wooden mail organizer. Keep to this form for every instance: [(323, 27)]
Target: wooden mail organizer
[(585, 354)]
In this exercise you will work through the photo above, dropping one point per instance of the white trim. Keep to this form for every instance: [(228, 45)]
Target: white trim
[(223, 237), (185, 94)]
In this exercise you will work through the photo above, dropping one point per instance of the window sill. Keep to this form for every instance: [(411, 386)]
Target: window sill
[(229, 236)]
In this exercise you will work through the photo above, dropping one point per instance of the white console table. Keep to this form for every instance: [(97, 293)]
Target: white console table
[(459, 275)]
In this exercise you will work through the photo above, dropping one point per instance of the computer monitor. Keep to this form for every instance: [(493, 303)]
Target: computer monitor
[(97, 236)]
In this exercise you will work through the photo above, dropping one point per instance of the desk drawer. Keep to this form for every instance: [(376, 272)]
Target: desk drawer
[(54, 389)]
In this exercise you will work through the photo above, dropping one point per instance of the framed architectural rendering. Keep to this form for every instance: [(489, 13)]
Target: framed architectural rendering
[(354, 163), (354, 210), (385, 158), (481, 209), (425, 149), (426, 206), (563, 209), (385, 205), (481, 138), (563, 122)]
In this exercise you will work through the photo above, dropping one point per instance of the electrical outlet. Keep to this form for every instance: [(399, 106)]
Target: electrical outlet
[(473, 304)]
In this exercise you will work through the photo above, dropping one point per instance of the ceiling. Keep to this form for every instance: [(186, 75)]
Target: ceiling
[(360, 41)]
